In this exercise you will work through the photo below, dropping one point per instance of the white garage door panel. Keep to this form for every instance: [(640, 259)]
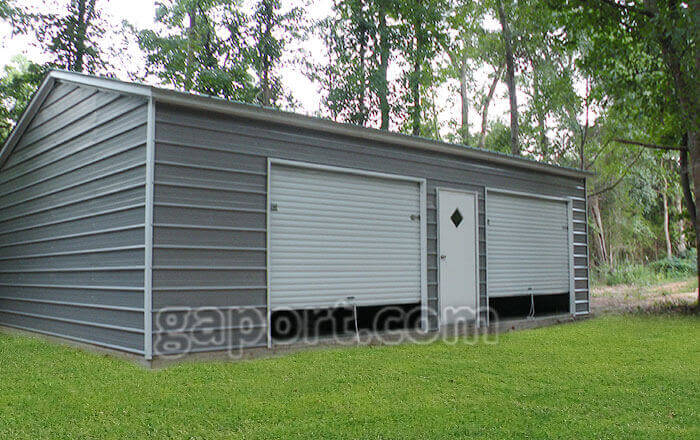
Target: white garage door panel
[(527, 245), (335, 235)]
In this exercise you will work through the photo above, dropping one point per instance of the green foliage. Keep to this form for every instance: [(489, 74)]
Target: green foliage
[(660, 271), (270, 31), (200, 46), (677, 267), (352, 80), (498, 138), (68, 33), (19, 80)]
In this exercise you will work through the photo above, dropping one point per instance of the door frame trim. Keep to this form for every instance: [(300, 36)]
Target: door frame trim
[(570, 217), (475, 193), (422, 194)]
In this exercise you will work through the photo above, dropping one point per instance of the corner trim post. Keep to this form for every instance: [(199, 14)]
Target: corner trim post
[(148, 236)]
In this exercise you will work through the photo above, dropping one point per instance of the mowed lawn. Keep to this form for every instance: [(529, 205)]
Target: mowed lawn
[(611, 377)]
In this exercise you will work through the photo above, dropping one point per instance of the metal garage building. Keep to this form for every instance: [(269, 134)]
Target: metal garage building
[(123, 205)]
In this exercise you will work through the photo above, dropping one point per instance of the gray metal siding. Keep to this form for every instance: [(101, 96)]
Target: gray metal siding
[(220, 163), (72, 220)]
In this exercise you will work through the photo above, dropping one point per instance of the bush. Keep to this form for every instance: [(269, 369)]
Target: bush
[(675, 267), (666, 269)]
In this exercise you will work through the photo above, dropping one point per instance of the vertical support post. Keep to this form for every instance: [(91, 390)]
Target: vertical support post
[(424, 256), (267, 254), (148, 228), (486, 254), (572, 270), (588, 250)]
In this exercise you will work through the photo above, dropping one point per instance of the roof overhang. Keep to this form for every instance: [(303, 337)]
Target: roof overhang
[(249, 111)]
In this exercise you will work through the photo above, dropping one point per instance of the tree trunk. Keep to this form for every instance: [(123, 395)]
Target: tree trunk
[(265, 85), (680, 246), (384, 51), (599, 231), (464, 95), (685, 89), (510, 78), (189, 62), (85, 12), (694, 147), (667, 234), (415, 83), (487, 102), (362, 111)]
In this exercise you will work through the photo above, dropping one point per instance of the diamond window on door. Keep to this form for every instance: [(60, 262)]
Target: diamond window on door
[(456, 217)]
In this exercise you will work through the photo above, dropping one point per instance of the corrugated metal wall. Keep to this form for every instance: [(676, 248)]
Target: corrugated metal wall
[(210, 195), (71, 225)]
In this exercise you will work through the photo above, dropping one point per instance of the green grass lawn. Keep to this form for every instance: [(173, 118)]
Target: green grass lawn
[(612, 377)]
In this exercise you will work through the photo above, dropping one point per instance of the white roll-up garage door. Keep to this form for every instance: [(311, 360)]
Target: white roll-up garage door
[(527, 245), (335, 235)]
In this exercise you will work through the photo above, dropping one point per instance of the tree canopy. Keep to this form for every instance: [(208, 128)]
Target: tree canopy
[(609, 86)]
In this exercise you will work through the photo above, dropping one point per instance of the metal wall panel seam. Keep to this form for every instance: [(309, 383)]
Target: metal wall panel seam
[(77, 184), (209, 288), (76, 338), (206, 228), (74, 304), (75, 168), (76, 269), (87, 146), (209, 329), (208, 248), (78, 252), (212, 187), (92, 92), (69, 123), (78, 234), (148, 231), (185, 267), (96, 195), (74, 321), (209, 207), (286, 118), (58, 92), (491, 169), (81, 133), (76, 287), (207, 167)]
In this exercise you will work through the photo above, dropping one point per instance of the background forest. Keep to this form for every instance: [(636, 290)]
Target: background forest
[(606, 85)]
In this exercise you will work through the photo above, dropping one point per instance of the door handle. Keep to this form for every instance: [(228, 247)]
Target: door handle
[(443, 257)]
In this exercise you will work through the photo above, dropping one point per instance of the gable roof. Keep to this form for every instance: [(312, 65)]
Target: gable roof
[(265, 114)]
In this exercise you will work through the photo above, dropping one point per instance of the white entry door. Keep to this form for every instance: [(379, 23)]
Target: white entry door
[(457, 253)]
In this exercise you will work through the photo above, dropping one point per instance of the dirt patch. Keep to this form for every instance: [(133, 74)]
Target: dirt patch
[(626, 298)]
